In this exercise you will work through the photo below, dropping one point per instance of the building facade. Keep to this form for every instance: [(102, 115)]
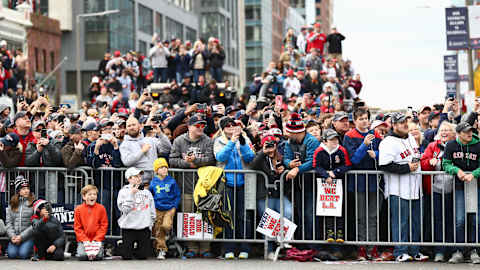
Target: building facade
[(324, 14)]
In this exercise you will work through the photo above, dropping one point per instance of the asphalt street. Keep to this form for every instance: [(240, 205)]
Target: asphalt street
[(203, 264)]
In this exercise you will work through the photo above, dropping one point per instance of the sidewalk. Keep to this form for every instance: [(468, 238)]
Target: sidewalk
[(219, 264)]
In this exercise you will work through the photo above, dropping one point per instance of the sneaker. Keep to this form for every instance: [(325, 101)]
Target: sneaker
[(474, 257), (161, 255), (439, 257), (340, 237), (457, 257), (361, 254), (386, 256), (229, 256), (243, 255), (208, 255), (271, 256), (404, 258), (191, 254), (330, 236), (373, 254), (421, 258)]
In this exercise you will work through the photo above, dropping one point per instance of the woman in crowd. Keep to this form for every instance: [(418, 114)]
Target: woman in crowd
[(441, 186), (216, 60), (199, 60), (19, 228), (414, 130)]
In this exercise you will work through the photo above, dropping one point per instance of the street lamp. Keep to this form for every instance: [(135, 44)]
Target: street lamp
[(77, 41)]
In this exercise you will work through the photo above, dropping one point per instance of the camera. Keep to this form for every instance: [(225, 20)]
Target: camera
[(21, 98), (55, 109), (43, 133), (156, 119), (202, 107), (297, 155), (106, 137)]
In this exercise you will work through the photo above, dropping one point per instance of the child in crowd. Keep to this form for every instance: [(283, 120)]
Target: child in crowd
[(166, 195), (138, 214), (90, 225), (331, 161), (48, 235), (18, 226)]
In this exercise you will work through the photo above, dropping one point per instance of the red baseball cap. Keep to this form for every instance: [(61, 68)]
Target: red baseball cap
[(267, 139), (317, 25), (117, 53)]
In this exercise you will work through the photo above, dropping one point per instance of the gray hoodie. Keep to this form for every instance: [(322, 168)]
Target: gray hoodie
[(203, 150), (138, 211), (159, 56), (19, 223), (132, 155)]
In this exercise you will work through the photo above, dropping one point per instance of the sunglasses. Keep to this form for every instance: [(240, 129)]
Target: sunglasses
[(232, 125), (200, 125)]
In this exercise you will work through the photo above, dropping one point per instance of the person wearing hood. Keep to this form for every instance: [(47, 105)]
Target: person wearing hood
[(4, 111), (331, 162), (399, 157), (233, 152), (140, 152), (48, 235), (441, 188), (10, 151), (462, 156), (192, 150), (19, 212)]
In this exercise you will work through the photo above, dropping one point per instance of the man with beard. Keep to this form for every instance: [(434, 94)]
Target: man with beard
[(22, 129), (140, 152), (72, 151)]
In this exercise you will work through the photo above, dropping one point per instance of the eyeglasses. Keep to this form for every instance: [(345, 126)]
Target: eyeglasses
[(200, 125)]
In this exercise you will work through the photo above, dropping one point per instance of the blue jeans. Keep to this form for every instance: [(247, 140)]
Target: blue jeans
[(22, 251), (460, 218), (274, 204), (217, 74), (160, 72), (241, 220), (400, 224), (197, 73), (179, 77), (439, 220), (305, 205)]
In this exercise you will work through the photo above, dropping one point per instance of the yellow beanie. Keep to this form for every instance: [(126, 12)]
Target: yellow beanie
[(158, 163)]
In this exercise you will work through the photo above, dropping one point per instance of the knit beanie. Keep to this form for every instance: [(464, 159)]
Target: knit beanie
[(38, 205), (295, 124), (158, 163), (21, 182)]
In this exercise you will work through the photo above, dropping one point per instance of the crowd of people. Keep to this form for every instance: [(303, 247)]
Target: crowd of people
[(303, 113)]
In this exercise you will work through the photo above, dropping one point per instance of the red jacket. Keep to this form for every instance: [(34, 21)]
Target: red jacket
[(90, 222), (433, 151), (4, 75), (317, 43), (24, 140)]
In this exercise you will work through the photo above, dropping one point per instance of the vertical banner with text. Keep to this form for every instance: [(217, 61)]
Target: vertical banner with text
[(474, 26), (457, 28), (450, 68)]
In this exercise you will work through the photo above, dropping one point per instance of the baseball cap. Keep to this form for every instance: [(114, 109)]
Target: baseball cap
[(132, 171), (377, 123), (106, 122), (268, 138), (91, 127), (433, 115), (224, 121), (330, 134), (21, 114), (38, 123), (75, 129), (339, 116), (196, 119), (464, 126), (11, 139), (425, 108), (398, 118)]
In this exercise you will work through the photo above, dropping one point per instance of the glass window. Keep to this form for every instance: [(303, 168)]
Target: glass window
[(159, 25), (174, 29), (145, 19), (191, 34), (122, 26), (252, 13), (251, 71), (253, 53), (43, 7), (44, 54), (142, 47), (319, 12), (52, 60), (36, 60), (253, 33), (71, 83), (91, 6)]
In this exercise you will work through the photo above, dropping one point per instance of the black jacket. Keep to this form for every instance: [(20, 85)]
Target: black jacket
[(335, 43), (217, 59), (50, 229), (262, 162), (49, 157)]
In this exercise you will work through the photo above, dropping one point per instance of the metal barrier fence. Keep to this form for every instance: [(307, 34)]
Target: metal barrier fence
[(443, 214)]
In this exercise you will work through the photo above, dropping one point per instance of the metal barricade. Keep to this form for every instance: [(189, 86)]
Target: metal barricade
[(444, 215)]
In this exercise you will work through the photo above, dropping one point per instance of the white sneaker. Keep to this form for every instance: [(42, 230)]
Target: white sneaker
[(457, 257), (243, 255), (404, 258), (420, 257), (439, 257), (161, 255), (474, 257), (271, 256), (229, 256)]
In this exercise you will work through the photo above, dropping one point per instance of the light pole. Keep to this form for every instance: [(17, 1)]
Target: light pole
[(77, 42)]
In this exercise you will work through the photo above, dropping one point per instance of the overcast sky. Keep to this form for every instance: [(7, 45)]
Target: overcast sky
[(397, 47)]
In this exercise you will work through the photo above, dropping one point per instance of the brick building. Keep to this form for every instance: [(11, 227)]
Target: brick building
[(279, 14), (324, 14)]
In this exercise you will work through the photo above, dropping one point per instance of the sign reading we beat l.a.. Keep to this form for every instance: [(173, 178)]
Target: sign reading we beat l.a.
[(329, 198)]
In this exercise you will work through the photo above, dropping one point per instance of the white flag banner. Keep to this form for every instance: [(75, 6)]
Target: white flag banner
[(269, 225), (329, 198)]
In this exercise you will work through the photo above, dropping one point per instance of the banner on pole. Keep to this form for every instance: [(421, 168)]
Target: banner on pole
[(329, 198), (269, 225), (474, 26), (457, 28), (450, 68)]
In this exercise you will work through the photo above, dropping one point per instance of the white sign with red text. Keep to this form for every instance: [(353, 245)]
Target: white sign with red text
[(191, 226), (329, 198), (269, 225)]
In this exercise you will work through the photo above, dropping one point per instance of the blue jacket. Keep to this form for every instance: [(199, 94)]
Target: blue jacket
[(107, 156), (233, 156), (307, 148), (166, 193), (182, 63), (357, 150)]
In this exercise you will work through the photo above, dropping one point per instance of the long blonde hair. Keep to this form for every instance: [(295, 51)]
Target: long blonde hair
[(15, 201)]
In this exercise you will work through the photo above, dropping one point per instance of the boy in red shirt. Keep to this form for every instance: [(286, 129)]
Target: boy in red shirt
[(90, 225)]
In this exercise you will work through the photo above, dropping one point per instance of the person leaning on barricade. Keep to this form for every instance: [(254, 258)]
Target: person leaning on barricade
[(461, 159), (298, 158), (10, 151), (73, 150), (90, 225), (138, 216), (192, 150), (399, 157)]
